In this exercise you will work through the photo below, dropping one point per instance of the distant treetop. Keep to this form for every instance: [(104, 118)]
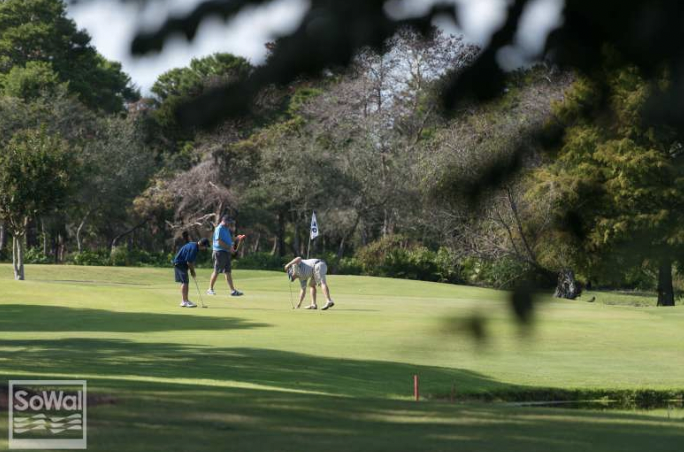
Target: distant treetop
[(37, 39)]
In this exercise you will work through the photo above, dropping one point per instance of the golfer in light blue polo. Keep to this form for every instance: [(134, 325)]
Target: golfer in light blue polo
[(221, 255)]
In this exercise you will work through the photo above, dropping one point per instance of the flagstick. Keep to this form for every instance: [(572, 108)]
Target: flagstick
[(308, 248)]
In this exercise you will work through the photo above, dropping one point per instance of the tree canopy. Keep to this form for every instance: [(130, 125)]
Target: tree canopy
[(617, 182), (36, 172), (40, 45)]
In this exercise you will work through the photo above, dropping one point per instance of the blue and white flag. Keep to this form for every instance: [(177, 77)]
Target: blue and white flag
[(314, 226)]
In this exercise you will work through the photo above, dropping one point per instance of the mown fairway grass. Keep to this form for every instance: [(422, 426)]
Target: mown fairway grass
[(251, 374)]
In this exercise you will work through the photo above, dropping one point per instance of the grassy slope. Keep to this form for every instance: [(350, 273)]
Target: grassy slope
[(253, 369)]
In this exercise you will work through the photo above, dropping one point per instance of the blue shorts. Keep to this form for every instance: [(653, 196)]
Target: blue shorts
[(181, 274)]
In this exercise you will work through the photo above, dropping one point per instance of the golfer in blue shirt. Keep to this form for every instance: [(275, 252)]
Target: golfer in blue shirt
[(184, 262), (221, 255)]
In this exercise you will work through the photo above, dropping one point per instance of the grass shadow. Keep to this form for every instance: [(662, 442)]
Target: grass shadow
[(29, 318), (260, 367), (192, 406)]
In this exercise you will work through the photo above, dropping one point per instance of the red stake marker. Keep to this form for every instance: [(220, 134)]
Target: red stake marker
[(416, 392)]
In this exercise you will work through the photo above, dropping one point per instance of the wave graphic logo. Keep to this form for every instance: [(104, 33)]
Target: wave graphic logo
[(47, 414), (55, 425)]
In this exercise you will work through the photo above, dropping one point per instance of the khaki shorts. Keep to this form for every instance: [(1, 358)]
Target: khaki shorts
[(320, 270)]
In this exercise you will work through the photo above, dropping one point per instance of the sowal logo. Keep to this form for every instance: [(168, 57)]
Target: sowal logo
[(47, 414)]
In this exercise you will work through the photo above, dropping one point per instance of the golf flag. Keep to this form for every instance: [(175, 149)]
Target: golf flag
[(314, 226)]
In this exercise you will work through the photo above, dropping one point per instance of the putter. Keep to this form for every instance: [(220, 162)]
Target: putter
[(289, 277), (291, 302), (199, 293)]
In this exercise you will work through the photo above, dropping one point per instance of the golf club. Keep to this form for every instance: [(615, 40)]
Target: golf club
[(199, 293), (290, 278), (291, 302)]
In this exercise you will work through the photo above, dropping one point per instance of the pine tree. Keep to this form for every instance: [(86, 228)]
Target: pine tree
[(37, 39), (617, 183)]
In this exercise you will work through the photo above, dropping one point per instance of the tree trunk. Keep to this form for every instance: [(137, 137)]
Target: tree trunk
[(115, 241), (55, 248), (61, 253), (257, 243), (18, 257), (340, 249), (296, 243), (364, 236), (348, 236), (567, 287), (45, 237), (274, 250), (79, 242), (514, 208), (385, 223), (31, 240), (3, 237), (281, 233), (665, 289)]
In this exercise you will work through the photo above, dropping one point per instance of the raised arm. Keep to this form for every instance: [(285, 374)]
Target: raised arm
[(294, 261)]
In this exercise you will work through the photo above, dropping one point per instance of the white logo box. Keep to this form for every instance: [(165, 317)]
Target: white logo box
[(79, 405)]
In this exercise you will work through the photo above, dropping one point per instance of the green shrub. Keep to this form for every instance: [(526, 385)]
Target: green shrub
[(373, 257), (123, 257), (507, 272), (97, 257), (144, 258), (349, 266), (474, 270), (640, 278), (393, 257), (203, 259), (504, 273), (423, 265), (119, 256), (329, 257), (260, 261), (448, 266), (36, 256), (418, 263)]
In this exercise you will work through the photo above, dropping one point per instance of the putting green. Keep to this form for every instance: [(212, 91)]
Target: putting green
[(250, 373)]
